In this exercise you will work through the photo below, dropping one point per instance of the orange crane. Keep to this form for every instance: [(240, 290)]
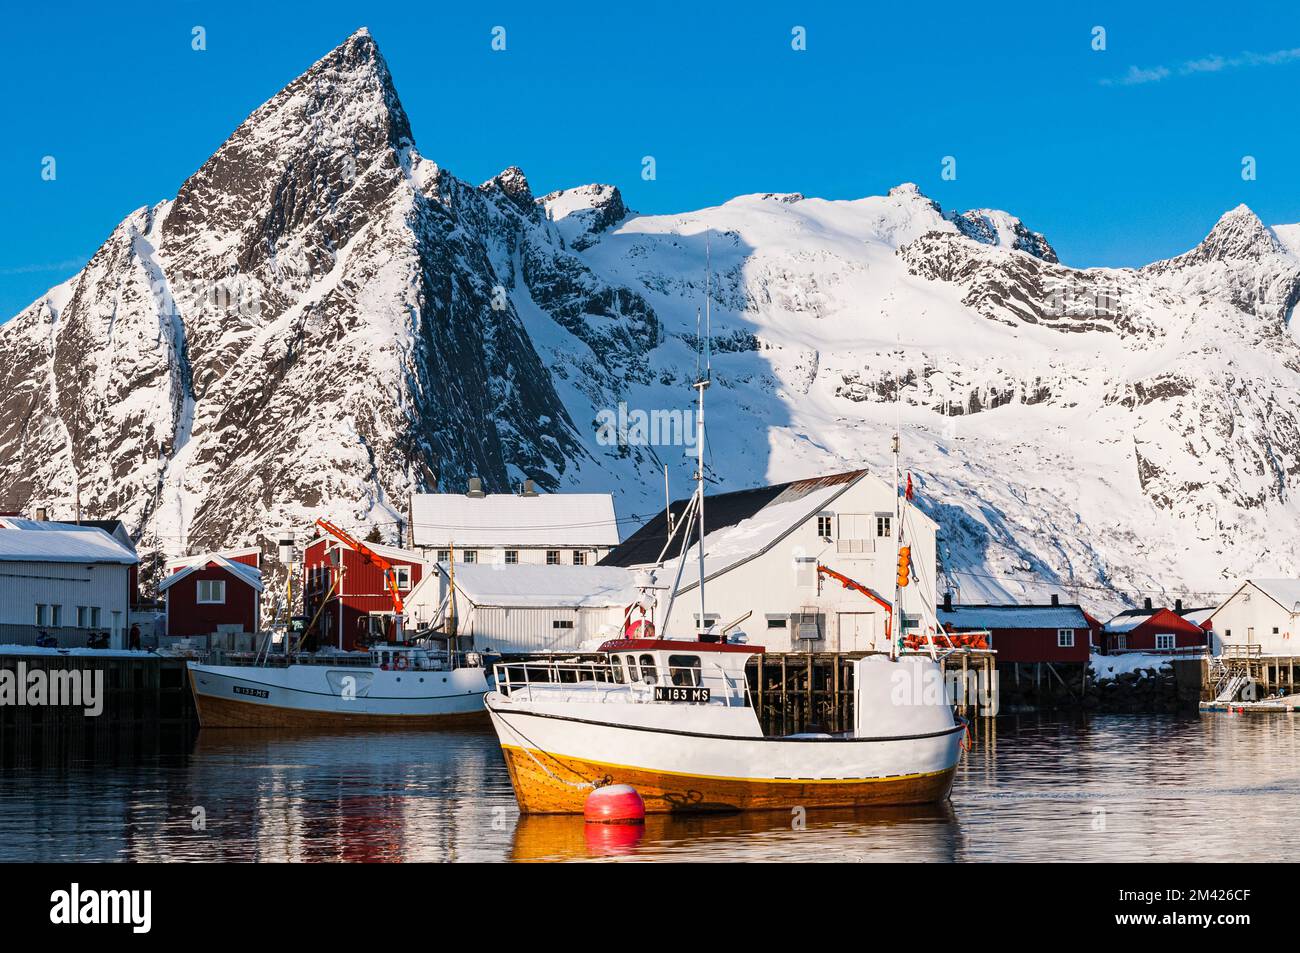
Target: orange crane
[(372, 557), (853, 584)]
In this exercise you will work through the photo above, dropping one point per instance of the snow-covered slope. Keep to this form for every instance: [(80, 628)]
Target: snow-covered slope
[(323, 320)]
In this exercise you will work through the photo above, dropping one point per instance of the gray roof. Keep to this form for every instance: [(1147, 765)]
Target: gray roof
[(1014, 617)]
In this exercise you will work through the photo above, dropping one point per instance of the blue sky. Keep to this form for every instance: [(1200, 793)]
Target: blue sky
[(1120, 156)]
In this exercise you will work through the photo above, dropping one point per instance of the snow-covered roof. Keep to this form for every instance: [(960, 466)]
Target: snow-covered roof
[(241, 571), (505, 519), (1285, 592), (1129, 620), (61, 543), (742, 524), (391, 553), (534, 586), (1013, 617), (233, 554), (1199, 616)]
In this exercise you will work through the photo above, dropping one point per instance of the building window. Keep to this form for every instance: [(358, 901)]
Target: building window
[(884, 526), (56, 616), (579, 557), (552, 557), (42, 615), (403, 575), (444, 555), (469, 556), (1065, 638), (778, 622), (710, 621), (1164, 641), (824, 527), (212, 592), (1227, 633), (561, 623), (1121, 642), (512, 557)]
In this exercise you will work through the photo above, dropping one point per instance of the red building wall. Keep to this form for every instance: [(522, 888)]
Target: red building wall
[(1038, 645), (186, 616), (1163, 622), (363, 592)]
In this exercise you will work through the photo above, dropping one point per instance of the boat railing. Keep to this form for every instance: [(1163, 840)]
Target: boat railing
[(575, 680)]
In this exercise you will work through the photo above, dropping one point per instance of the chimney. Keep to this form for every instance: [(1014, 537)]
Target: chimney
[(529, 489), (475, 488), (1146, 603), (1178, 606), (947, 601), (1056, 600), (41, 514)]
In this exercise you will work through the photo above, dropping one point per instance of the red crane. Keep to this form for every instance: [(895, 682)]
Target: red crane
[(853, 584), (372, 557)]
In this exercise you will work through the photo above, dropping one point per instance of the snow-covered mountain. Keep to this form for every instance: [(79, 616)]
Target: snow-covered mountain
[(323, 321)]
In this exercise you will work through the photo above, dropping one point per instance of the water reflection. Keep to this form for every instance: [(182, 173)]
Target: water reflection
[(1214, 787)]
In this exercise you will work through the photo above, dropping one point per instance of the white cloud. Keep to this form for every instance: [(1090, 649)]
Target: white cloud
[(1214, 63)]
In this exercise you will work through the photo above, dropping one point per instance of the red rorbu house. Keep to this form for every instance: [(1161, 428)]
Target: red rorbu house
[(1025, 633), (213, 593), (350, 593), (1153, 630)]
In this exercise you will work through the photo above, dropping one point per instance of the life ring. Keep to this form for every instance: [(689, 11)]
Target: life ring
[(400, 663), (640, 629)]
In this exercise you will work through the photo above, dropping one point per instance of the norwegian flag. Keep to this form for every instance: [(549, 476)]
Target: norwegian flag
[(908, 494)]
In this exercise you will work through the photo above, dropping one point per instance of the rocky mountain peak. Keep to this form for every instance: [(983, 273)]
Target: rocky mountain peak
[(582, 214), (995, 227), (1238, 236), (513, 184)]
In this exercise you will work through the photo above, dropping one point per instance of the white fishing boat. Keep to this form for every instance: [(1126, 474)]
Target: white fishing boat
[(400, 686), (674, 718)]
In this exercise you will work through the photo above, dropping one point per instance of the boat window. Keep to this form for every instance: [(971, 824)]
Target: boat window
[(616, 668), (633, 673), (648, 668), (685, 669)]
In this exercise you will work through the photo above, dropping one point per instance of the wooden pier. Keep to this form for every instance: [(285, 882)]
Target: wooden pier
[(1245, 667), (813, 691)]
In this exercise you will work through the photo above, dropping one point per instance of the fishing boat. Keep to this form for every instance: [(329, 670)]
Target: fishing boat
[(673, 717), (396, 684)]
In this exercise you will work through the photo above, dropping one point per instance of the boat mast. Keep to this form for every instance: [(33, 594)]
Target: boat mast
[(900, 615), (701, 383)]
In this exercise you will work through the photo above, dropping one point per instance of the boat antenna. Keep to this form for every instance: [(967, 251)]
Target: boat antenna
[(701, 383), (900, 615)]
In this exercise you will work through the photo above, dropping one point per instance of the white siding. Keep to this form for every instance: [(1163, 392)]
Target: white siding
[(1249, 618), (777, 584), (24, 585), (509, 631)]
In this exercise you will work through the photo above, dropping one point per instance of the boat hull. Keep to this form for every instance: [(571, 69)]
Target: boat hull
[(553, 763), (309, 697)]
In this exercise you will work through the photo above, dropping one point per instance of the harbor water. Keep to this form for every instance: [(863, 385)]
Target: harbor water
[(1212, 787)]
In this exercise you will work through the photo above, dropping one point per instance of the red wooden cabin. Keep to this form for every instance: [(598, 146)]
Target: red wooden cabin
[(1025, 633), (212, 591), (1152, 630)]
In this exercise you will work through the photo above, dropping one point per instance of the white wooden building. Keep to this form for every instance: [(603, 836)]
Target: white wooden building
[(528, 528), (525, 609), (1263, 612), (762, 550), (65, 580)]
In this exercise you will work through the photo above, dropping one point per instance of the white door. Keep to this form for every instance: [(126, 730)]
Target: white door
[(857, 631)]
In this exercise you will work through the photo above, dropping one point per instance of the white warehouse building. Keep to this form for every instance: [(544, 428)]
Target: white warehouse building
[(763, 549), (1262, 612), (525, 609), (528, 528), (65, 581)]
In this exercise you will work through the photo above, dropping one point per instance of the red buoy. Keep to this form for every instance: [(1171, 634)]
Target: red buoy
[(614, 804)]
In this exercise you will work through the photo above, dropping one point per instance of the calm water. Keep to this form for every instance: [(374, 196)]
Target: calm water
[(1213, 787)]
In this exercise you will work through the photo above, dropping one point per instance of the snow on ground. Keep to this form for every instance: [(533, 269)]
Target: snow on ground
[(1106, 667)]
